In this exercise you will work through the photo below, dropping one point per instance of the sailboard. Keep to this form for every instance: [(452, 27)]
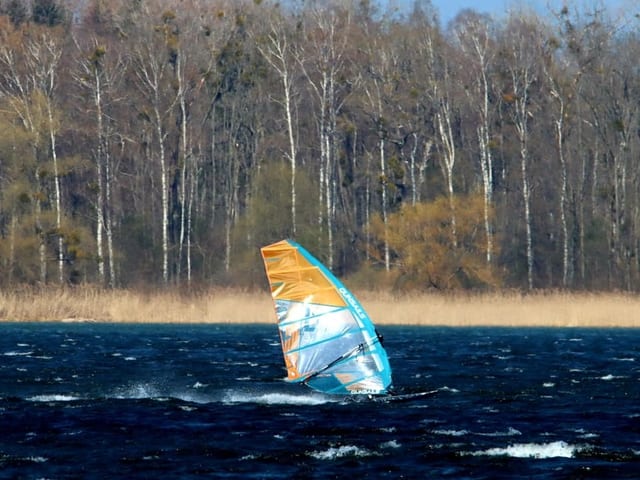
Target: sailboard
[(328, 340)]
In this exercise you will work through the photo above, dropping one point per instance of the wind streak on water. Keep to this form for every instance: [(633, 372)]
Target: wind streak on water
[(209, 401)]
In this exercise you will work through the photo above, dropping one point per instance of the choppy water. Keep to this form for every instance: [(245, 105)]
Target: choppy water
[(208, 401)]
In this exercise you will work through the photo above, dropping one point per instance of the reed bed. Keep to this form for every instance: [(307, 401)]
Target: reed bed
[(96, 305), (545, 309)]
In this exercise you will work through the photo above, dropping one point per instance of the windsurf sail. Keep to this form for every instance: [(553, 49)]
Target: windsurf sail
[(328, 340)]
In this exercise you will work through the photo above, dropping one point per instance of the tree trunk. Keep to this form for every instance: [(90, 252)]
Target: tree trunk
[(383, 186), (57, 193)]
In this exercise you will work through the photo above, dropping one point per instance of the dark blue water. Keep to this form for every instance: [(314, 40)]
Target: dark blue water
[(208, 401)]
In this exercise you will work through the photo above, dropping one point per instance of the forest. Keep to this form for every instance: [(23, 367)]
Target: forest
[(162, 142)]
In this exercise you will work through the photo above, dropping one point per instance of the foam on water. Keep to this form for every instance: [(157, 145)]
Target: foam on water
[(194, 394), (141, 391), (510, 432), (451, 433), (341, 452), (14, 353), (137, 391), (390, 444), (277, 398), (54, 398), (557, 449), (37, 459)]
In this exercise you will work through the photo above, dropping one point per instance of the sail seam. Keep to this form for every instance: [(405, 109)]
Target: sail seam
[(358, 348), (286, 323), (325, 340)]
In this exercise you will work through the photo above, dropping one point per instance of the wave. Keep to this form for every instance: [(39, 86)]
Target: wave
[(510, 432), (559, 449), (54, 398), (195, 394), (277, 398), (138, 391), (451, 433), (341, 452), (150, 391), (14, 353)]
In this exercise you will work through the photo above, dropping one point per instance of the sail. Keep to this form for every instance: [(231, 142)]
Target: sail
[(328, 340)]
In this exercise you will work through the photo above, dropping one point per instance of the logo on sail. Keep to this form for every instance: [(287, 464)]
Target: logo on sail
[(346, 294)]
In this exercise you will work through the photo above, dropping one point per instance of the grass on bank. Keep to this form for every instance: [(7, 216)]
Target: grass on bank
[(238, 306)]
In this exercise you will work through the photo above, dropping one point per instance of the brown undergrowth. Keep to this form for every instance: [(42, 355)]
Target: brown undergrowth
[(545, 309)]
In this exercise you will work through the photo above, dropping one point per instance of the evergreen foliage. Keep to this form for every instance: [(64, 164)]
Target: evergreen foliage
[(48, 12)]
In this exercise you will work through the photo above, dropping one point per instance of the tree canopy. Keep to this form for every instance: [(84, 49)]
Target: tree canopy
[(162, 142)]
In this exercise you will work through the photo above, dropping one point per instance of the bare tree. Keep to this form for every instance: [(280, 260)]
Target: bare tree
[(29, 80), (152, 70), (476, 43), (561, 98), (522, 56), (99, 70), (323, 62), (278, 51)]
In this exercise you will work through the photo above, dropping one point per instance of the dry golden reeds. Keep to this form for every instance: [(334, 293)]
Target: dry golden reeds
[(509, 309), (90, 304), (548, 309)]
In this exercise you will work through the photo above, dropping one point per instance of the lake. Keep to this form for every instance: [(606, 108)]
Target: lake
[(132, 401)]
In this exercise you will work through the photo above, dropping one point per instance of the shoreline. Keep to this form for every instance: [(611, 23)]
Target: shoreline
[(501, 309)]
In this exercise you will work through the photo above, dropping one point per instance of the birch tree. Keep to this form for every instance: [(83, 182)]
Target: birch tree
[(29, 80), (475, 40), (561, 99), (580, 58), (152, 72), (619, 116), (278, 51), (379, 82), (178, 34), (323, 62), (520, 44), (99, 71)]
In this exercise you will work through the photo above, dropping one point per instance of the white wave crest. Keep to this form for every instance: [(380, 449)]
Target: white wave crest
[(451, 433), (510, 432), (390, 444), (144, 391), (137, 391), (53, 398), (531, 450), (276, 398), (37, 459), (340, 452)]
